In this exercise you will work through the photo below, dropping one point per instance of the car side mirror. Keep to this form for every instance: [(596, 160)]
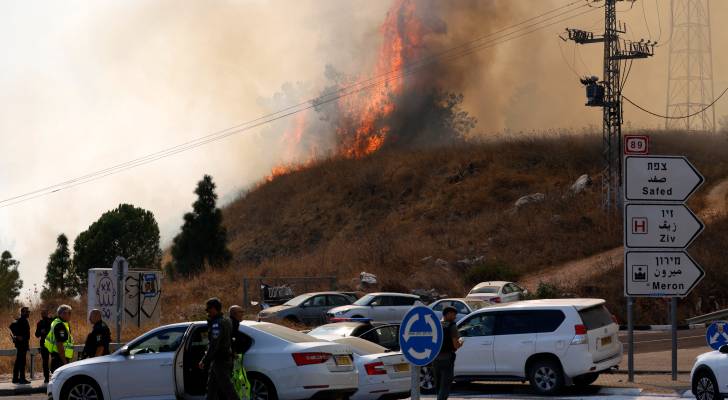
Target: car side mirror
[(723, 349), (124, 351)]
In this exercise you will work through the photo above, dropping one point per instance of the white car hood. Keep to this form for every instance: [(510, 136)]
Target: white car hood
[(347, 308), (88, 361)]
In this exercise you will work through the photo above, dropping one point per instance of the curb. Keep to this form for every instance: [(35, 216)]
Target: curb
[(644, 372), (20, 391)]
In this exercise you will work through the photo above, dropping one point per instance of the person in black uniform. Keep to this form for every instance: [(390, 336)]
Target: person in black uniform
[(20, 328), (41, 331), (218, 357), (240, 341), (444, 364), (98, 340)]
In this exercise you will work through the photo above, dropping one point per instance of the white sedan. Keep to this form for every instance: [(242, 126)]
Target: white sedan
[(497, 292), (377, 307), (162, 364), (382, 373)]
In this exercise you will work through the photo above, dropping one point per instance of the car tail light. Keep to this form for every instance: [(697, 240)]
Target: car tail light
[(495, 300), (310, 358), (580, 335), (614, 319), (375, 368)]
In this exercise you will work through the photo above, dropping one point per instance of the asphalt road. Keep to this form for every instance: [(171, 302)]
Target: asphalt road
[(649, 341)]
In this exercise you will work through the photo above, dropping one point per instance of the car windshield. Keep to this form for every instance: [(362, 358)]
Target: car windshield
[(486, 289), (362, 347), (289, 335), (297, 301), (332, 330), (364, 301), (476, 305)]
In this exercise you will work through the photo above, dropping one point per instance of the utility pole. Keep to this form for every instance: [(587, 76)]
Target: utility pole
[(690, 69), (607, 94)]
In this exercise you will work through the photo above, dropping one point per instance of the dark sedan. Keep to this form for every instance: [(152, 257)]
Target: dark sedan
[(308, 308)]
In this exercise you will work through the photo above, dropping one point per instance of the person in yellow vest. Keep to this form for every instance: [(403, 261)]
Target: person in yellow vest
[(59, 341)]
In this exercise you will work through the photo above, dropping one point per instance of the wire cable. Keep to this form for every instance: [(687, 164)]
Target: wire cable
[(288, 111), (679, 117)]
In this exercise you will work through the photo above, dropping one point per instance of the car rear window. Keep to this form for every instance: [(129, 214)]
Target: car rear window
[(333, 330), (595, 317), (362, 347), (289, 335)]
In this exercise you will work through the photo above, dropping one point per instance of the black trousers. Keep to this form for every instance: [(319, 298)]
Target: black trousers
[(219, 381), (56, 361), (19, 366), (45, 358), (444, 368)]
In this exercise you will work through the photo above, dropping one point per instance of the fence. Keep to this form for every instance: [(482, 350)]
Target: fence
[(34, 351)]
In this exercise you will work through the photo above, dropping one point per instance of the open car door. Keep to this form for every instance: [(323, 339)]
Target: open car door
[(190, 381)]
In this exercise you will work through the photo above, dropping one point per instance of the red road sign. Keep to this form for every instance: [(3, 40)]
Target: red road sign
[(636, 145)]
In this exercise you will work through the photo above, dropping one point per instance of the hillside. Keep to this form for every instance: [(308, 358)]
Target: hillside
[(387, 212)]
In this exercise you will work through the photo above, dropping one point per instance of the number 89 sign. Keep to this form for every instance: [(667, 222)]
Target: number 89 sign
[(636, 145)]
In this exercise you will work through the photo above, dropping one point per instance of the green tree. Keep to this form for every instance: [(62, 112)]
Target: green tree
[(10, 282), (203, 239), (126, 231), (60, 279)]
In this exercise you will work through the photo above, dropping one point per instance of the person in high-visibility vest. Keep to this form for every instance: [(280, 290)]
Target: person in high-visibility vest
[(240, 344), (59, 341)]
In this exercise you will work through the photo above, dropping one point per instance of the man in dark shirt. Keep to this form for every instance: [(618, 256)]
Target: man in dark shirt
[(444, 364), (41, 331), (98, 340), (20, 328), (218, 357)]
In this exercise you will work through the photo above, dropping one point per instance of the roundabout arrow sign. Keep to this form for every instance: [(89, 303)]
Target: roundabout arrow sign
[(420, 336)]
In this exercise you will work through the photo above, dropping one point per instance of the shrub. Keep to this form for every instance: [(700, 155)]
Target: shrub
[(491, 271)]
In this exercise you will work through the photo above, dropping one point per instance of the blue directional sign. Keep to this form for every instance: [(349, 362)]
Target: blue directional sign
[(420, 336), (717, 334)]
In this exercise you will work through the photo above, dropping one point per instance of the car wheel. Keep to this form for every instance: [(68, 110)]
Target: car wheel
[(706, 388), (586, 379), (427, 380), (546, 377), (81, 389), (262, 389)]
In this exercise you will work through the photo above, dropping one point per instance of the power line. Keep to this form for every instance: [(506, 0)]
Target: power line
[(311, 103), (706, 108)]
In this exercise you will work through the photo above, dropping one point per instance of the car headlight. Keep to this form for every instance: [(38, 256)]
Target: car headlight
[(339, 313)]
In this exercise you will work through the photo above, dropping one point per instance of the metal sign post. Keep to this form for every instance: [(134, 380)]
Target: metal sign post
[(420, 339), (658, 227)]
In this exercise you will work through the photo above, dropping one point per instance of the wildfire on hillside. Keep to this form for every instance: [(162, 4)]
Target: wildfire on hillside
[(367, 120)]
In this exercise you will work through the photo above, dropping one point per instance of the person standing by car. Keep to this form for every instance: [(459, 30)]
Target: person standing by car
[(59, 340), (41, 330), (218, 357), (240, 344), (444, 364), (97, 342), (20, 328)]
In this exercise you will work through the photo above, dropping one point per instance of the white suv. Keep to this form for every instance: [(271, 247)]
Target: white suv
[(709, 376), (550, 343)]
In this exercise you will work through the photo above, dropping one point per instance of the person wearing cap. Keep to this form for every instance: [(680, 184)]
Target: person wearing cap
[(218, 359), (98, 341), (444, 364), (20, 329), (41, 330)]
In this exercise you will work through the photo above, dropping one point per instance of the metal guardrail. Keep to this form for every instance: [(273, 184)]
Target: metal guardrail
[(710, 317), (34, 351)]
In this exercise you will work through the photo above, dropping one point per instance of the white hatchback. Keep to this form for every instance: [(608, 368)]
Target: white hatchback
[(378, 307), (550, 343), (497, 292), (162, 364)]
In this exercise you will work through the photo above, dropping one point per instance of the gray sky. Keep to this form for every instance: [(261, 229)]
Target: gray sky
[(86, 85)]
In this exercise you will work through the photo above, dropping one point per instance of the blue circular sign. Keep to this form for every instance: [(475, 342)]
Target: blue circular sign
[(717, 334), (420, 336)]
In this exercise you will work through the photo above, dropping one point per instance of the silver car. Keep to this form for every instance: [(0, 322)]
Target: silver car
[(308, 308)]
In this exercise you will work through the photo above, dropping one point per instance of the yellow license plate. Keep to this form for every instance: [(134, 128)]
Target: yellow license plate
[(342, 360), (401, 367), (606, 340)]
